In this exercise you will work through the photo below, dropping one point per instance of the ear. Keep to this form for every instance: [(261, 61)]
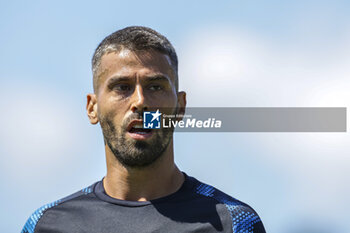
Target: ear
[(91, 108), (181, 103)]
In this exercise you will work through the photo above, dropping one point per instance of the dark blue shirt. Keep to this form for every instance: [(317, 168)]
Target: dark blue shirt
[(195, 207)]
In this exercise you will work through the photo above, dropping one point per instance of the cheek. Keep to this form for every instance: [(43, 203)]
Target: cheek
[(112, 111), (166, 101)]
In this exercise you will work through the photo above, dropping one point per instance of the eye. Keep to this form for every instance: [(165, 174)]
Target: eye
[(122, 87), (155, 87)]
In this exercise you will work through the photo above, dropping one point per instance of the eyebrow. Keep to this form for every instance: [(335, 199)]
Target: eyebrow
[(157, 77), (117, 79)]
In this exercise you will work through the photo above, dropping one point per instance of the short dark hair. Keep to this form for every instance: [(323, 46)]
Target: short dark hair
[(135, 38)]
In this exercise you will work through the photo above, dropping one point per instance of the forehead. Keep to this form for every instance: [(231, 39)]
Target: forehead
[(131, 63)]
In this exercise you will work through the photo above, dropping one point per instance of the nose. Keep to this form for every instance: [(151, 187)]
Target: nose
[(138, 100)]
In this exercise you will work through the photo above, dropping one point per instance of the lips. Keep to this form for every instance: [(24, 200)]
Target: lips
[(134, 124), (136, 131)]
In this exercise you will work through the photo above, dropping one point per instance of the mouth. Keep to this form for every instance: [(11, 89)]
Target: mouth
[(137, 132)]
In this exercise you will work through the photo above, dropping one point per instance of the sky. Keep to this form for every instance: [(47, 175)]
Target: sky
[(231, 54)]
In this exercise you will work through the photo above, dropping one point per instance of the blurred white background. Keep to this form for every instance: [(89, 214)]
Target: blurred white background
[(231, 54)]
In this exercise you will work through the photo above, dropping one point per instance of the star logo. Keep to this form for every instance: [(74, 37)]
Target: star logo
[(151, 120), (156, 115)]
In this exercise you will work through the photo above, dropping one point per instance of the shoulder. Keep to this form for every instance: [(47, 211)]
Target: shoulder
[(33, 220), (244, 218)]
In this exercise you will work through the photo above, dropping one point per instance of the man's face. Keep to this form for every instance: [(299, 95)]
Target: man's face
[(130, 83)]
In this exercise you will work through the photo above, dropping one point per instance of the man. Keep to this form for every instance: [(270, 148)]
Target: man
[(134, 71)]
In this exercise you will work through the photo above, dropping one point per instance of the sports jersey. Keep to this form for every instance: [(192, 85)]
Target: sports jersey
[(195, 207)]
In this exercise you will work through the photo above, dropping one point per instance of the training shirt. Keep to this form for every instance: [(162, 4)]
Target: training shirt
[(195, 207)]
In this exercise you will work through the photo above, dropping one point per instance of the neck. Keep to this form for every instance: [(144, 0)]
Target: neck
[(142, 184)]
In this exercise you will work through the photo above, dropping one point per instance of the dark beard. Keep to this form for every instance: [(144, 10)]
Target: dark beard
[(134, 153)]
